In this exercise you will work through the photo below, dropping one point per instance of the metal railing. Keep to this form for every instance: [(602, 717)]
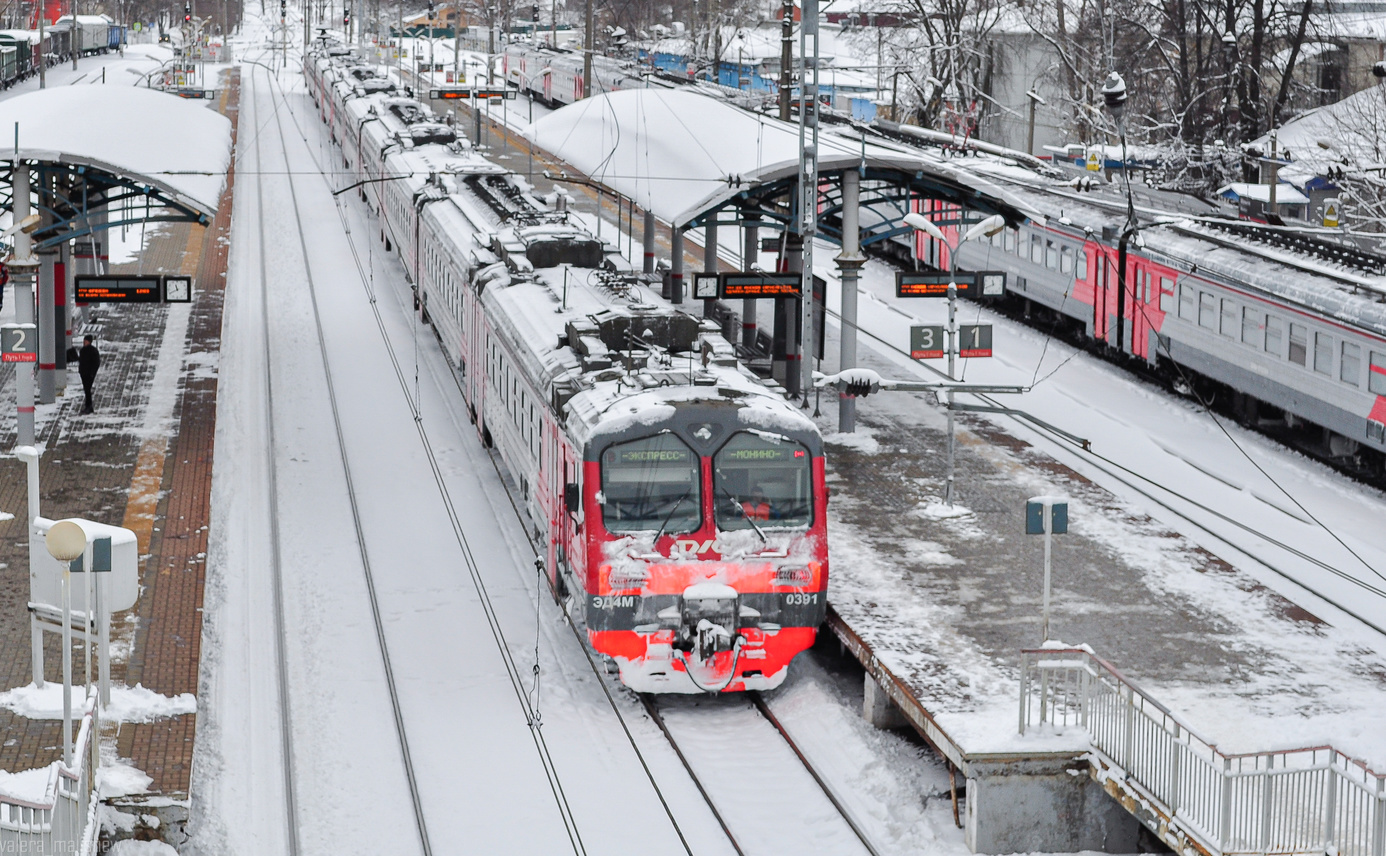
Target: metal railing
[(1311, 800), (64, 820)]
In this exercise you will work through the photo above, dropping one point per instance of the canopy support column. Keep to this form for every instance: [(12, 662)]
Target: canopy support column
[(849, 263), (649, 242), (748, 306), (676, 266), (709, 258)]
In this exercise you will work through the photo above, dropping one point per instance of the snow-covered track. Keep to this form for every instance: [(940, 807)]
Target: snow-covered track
[(760, 784), (420, 823)]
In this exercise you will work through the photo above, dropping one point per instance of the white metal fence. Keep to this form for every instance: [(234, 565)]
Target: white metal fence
[(1312, 800), (64, 821)]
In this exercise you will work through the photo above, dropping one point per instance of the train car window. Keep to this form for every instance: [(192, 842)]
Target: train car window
[(1229, 323), (1051, 255), (1323, 353), (1253, 327), (1166, 295), (1299, 343), (1207, 310), (651, 484), (1376, 374), (1275, 335), (1010, 235), (1082, 264), (1350, 364), (765, 479), (1188, 297), (1066, 260), (1037, 249)]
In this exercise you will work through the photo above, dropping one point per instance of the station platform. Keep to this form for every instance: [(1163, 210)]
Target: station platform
[(142, 461), (938, 604)]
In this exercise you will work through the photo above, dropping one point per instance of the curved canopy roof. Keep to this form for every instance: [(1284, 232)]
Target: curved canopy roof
[(173, 149), (686, 156)]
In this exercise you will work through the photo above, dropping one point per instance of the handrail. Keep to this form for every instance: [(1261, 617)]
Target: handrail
[(63, 821), (1305, 800)]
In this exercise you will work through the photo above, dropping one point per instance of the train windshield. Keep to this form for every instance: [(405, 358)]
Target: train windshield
[(762, 478), (651, 485)]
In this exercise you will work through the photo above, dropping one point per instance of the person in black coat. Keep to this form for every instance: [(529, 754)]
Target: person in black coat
[(88, 360)]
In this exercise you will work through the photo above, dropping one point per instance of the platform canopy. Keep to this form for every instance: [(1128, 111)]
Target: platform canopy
[(115, 145), (689, 157)]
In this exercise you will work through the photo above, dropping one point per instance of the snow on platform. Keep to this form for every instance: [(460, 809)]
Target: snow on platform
[(947, 602)]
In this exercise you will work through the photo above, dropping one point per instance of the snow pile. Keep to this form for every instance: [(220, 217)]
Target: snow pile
[(130, 847), (128, 704), (5, 515), (861, 441), (119, 778), (937, 509), (30, 785)]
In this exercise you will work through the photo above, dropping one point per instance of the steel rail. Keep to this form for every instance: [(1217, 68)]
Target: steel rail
[(459, 531), (376, 616), (276, 545)]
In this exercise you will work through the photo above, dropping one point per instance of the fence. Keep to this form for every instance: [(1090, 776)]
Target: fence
[(1311, 800), (64, 820)]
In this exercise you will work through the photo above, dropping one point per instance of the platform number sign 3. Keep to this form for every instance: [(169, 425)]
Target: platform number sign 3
[(19, 343), (926, 343)]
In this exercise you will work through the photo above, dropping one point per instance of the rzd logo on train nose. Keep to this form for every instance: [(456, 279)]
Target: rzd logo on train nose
[(690, 545)]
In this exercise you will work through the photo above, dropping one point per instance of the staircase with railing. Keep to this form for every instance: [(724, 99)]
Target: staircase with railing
[(1295, 801)]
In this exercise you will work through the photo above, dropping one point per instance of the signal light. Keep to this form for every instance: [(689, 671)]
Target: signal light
[(187, 13)]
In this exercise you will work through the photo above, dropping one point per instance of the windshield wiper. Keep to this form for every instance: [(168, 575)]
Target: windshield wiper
[(739, 507), (672, 511)]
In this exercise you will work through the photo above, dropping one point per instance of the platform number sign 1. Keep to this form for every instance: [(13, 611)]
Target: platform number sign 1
[(19, 343), (926, 343), (974, 340)]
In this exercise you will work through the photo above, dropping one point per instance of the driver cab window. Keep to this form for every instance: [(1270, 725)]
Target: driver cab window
[(651, 485), (763, 480)]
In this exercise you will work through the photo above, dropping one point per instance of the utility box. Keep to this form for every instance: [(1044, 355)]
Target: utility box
[(46, 575), (1035, 511)]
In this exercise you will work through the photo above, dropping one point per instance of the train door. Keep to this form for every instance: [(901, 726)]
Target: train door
[(1103, 274)]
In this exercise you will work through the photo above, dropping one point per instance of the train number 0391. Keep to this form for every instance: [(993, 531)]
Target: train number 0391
[(797, 599)]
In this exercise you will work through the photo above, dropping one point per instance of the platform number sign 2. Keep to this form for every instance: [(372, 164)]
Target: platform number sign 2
[(19, 343)]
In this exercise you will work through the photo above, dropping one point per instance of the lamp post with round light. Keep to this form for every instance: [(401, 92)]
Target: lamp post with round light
[(985, 228), (66, 541)]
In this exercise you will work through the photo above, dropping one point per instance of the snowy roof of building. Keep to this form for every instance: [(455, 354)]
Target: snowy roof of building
[(677, 153), (1353, 129), (177, 146), (1285, 194)]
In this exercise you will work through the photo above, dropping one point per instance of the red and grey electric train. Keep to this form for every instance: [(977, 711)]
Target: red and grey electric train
[(681, 499)]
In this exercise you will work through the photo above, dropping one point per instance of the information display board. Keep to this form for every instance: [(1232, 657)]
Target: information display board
[(986, 283), (933, 283), (463, 94), (169, 288), (753, 284)]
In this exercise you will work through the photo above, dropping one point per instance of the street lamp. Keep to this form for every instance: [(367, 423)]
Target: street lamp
[(984, 228), (524, 86), (1114, 96), (66, 541)]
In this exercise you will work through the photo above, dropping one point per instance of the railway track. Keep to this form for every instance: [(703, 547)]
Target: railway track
[(258, 125), (707, 786)]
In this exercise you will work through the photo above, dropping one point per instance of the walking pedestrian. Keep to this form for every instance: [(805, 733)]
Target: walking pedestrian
[(88, 360)]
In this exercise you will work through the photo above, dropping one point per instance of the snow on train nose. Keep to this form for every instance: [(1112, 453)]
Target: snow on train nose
[(708, 620)]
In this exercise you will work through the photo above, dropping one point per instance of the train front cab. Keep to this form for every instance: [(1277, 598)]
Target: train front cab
[(705, 561)]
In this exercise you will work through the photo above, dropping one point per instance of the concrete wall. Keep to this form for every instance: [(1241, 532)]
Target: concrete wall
[(1026, 805)]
